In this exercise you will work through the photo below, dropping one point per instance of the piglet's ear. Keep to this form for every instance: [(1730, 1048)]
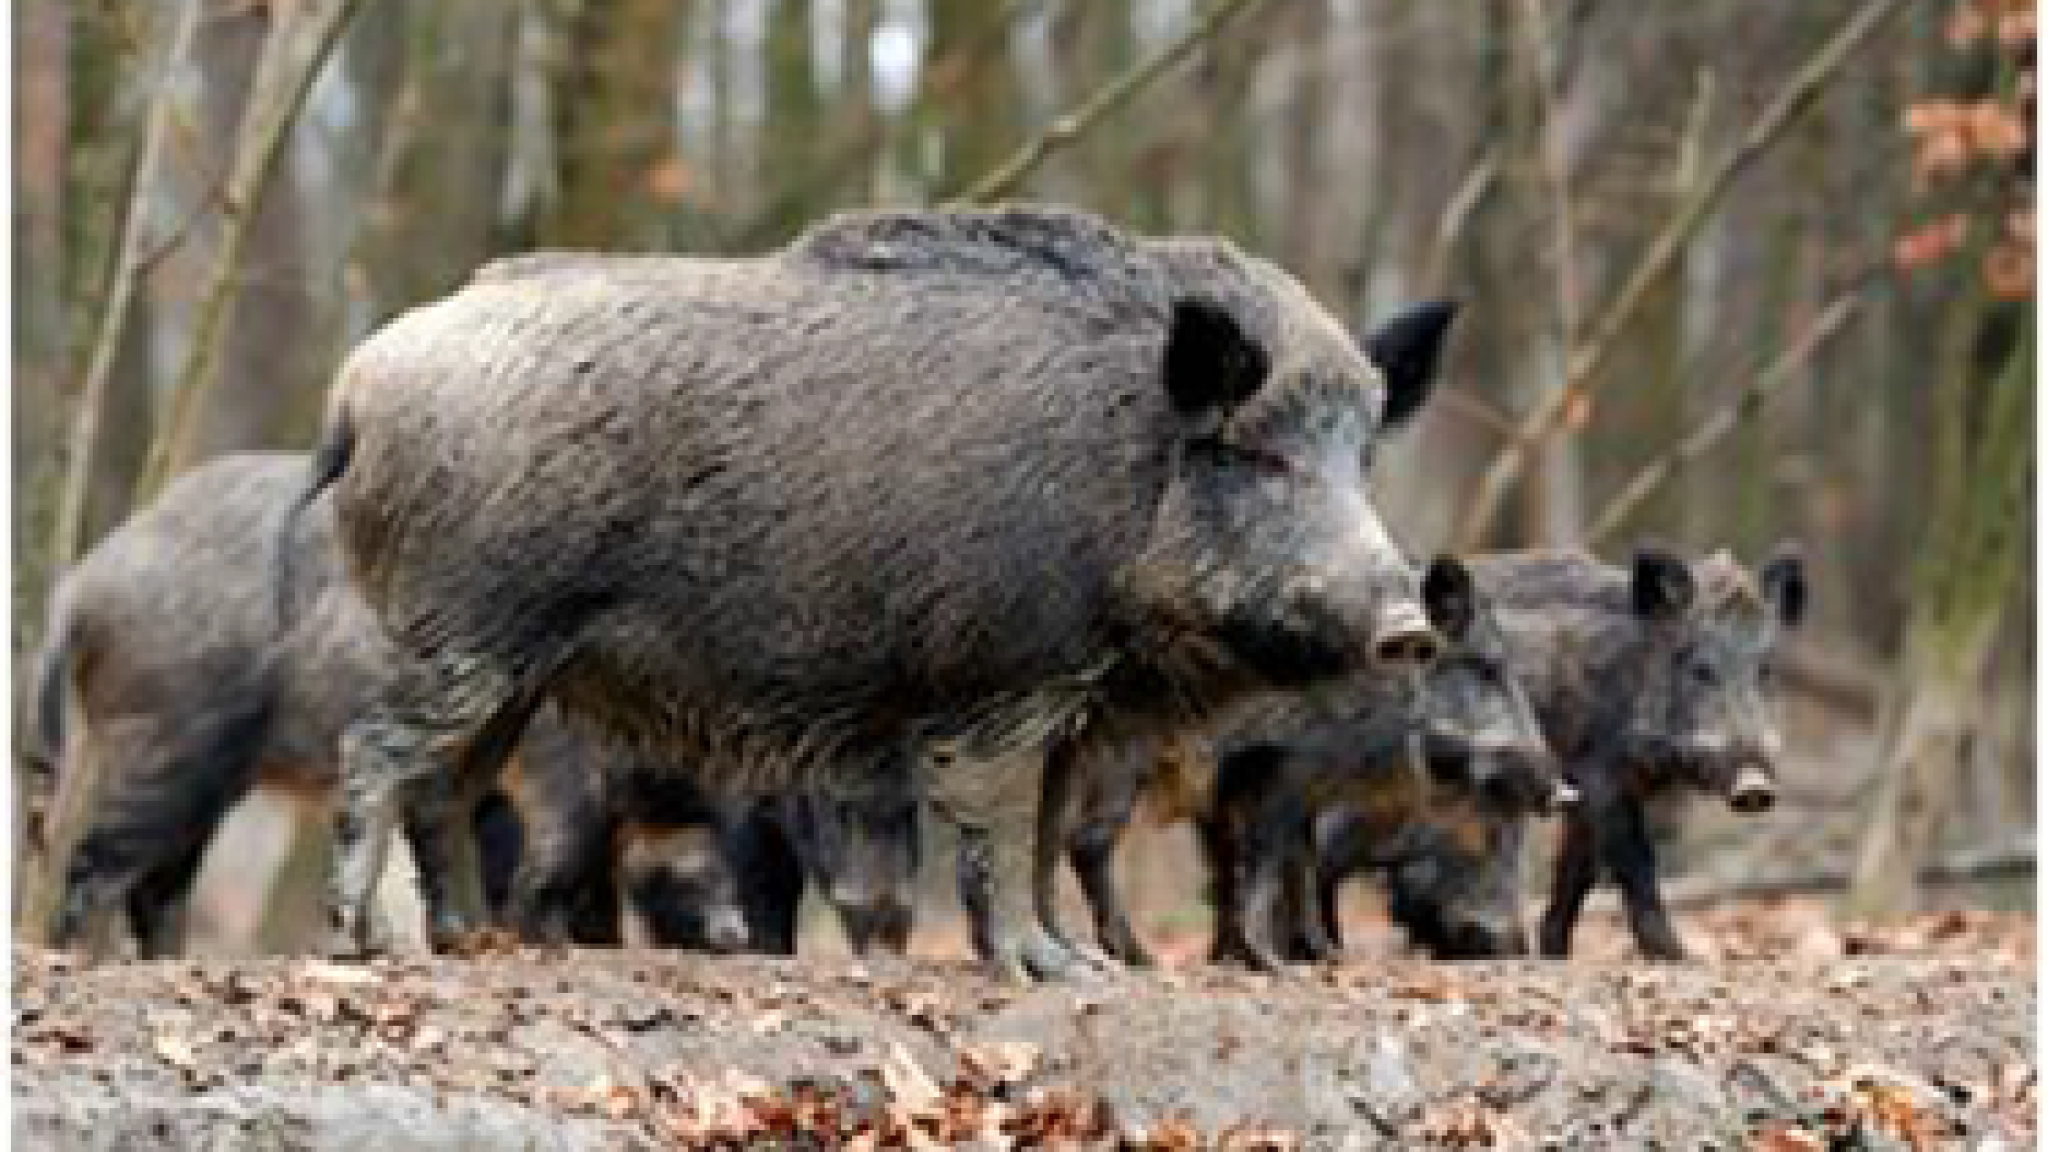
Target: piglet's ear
[(1783, 578), (1449, 597), (1660, 584), (1211, 364), (1406, 349)]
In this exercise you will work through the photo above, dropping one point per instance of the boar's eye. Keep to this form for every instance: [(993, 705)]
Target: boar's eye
[(1702, 673)]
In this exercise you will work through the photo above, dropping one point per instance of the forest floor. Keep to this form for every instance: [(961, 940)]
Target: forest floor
[(1792, 1033)]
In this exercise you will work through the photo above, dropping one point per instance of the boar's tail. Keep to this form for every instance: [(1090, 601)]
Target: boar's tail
[(330, 459)]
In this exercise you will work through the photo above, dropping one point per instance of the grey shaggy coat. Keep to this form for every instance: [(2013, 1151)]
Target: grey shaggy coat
[(904, 478)]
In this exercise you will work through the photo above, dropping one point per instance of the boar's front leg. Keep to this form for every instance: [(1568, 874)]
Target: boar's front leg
[(993, 803), (1578, 868), (1631, 856), (1093, 854)]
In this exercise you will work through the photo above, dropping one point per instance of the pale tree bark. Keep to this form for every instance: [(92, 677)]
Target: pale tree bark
[(114, 325)]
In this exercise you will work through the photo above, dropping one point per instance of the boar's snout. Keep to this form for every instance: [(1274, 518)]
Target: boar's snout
[(1753, 791), (1402, 636), (726, 931), (1468, 937)]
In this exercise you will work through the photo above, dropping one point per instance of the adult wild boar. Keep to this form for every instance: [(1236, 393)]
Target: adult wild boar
[(943, 481), (1649, 681)]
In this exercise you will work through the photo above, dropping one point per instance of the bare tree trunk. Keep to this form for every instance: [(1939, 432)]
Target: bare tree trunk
[(969, 93), (1971, 554), (442, 154), (614, 124)]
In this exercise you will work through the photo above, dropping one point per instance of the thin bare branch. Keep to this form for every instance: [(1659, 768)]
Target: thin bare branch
[(1602, 336), (1723, 421), (1071, 126), (1450, 227), (69, 536), (292, 59)]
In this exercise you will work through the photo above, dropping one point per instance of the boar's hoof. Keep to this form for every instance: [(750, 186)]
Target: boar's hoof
[(1036, 957)]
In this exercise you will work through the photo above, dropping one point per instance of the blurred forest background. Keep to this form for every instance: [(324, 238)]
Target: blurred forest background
[(1734, 271)]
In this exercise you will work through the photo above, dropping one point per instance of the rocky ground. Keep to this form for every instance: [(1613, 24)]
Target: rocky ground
[(1792, 1034)]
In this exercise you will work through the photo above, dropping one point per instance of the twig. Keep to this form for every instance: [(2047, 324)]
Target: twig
[(1071, 126), (69, 536), (1723, 421), (1584, 362), (282, 83), (1556, 170), (1457, 212)]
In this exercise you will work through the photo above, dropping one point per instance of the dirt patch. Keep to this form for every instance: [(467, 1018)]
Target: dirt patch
[(1918, 1035)]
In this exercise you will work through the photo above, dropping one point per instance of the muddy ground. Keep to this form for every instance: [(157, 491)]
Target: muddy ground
[(1793, 1034)]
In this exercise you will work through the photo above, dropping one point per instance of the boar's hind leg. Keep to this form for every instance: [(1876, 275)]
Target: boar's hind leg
[(447, 724), (993, 804), (440, 828)]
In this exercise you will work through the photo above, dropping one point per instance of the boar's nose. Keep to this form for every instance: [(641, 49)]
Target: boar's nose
[(1481, 938), (727, 931), (1402, 635), (1753, 792)]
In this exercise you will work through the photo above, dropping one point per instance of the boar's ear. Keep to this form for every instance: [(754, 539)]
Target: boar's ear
[(1211, 365), (1406, 348), (1783, 577), (1660, 584), (1449, 597)]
